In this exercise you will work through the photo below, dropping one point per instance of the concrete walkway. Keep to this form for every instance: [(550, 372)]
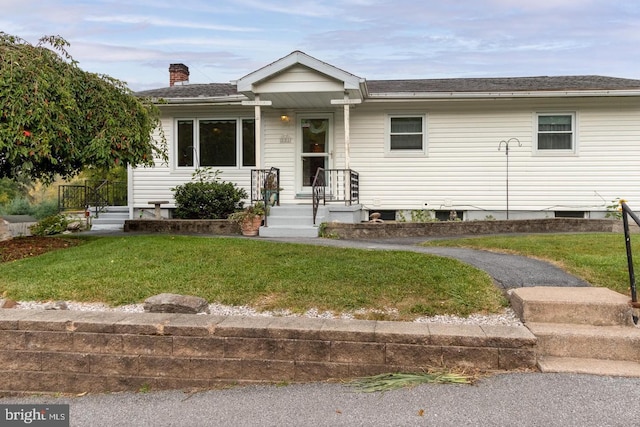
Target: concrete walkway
[(508, 271)]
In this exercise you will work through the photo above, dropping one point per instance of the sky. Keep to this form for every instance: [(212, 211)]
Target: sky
[(224, 40)]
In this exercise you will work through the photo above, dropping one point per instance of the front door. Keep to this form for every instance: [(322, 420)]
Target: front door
[(315, 149)]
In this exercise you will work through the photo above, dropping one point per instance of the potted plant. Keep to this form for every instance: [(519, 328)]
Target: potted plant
[(249, 219)]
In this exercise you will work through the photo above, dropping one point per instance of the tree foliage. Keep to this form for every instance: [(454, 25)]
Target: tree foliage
[(56, 118)]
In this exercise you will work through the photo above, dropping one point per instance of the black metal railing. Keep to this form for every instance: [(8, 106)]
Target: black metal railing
[(96, 194), (71, 197), (626, 213), (335, 185), (265, 188)]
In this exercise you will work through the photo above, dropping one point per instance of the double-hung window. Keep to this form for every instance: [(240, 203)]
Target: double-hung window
[(556, 132), (228, 142), (407, 134)]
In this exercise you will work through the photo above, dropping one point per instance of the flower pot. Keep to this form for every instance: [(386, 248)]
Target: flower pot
[(251, 226)]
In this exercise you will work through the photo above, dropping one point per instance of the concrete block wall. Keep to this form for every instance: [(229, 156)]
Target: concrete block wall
[(75, 352)]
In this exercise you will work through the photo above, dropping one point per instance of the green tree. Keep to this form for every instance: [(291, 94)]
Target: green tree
[(56, 119)]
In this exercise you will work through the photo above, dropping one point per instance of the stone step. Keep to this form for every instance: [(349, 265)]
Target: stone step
[(585, 305), (587, 341), (288, 231), (574, 365), (290, 220)]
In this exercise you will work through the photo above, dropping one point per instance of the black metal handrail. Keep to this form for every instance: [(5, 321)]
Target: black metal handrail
[(318, 191), (627, 212), (336, 185), (98, 194), (265, 188)]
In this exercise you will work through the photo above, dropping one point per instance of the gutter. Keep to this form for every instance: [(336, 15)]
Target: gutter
[(530, 94)]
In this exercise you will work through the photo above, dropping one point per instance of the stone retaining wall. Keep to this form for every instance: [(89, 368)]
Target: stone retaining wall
[(75, 351), (220, 227), (369, 230)]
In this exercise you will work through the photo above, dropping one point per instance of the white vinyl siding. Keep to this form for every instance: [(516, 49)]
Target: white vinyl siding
[(465, 170)]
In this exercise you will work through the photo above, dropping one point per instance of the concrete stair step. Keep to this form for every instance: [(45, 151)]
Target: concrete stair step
[(591, 306), (288, 231), (290, 220), (587, 341), (574, 365)]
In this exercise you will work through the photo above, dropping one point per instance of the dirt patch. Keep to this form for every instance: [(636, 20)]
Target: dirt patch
[(25, 247)]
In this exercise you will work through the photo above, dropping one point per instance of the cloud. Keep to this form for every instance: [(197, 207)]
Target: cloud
[(165, 23)]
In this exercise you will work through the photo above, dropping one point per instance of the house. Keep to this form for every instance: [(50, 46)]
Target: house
[(473, 148)]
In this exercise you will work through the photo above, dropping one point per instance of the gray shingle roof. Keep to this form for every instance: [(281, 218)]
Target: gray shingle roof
[(459, 85), (191, 91), (504, 84)]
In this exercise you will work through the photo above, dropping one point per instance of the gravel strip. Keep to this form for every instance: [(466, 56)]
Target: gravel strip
[(506, 318)]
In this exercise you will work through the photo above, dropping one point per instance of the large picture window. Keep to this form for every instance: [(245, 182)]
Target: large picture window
[(215, 142), (406, 134), (556, 132)]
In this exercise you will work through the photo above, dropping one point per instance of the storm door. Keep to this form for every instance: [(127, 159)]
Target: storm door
[(315, 150)]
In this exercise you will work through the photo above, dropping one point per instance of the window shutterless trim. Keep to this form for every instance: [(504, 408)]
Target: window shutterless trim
[(405, 152), (239, 162), (573, 133)]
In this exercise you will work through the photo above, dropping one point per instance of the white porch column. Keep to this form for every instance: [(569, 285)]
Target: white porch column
[(346, 102), (258, 123)]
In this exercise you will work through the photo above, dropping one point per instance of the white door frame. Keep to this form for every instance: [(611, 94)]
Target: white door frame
[(301, 188)]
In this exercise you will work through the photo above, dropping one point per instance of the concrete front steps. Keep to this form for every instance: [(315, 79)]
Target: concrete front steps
[(292, 221), (112, 218), (581, 330)]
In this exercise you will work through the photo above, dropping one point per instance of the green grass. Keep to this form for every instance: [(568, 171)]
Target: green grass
[(600, 258), (266, 275)]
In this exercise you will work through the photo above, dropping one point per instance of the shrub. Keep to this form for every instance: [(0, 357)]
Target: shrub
[(54, 224), (207, 197), (45, 209), (17, 206)]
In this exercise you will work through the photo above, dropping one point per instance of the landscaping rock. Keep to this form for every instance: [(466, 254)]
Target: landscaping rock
[(57, 305), (173, 303), (5, 233), (7, 303)]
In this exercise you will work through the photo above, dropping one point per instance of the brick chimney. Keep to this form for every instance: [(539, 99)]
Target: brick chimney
[(178, 73)]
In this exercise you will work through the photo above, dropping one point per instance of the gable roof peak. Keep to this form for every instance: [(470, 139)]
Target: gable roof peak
[(246, 83)]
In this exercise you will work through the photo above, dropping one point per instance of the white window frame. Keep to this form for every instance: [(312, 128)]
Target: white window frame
[(574, 134), (196, 142), (409, 152)]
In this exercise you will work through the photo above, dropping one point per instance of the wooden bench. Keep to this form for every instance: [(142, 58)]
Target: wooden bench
[(156, 207)]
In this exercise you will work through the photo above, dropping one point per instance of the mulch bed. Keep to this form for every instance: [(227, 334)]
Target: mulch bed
[(24, 247)]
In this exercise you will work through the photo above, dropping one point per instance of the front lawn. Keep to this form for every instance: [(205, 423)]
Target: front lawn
[(598, 258), (265, 275)]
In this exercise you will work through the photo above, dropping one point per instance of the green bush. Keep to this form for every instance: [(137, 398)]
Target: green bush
[(54, 224), (207, 197), (17, 206), (45, 209)]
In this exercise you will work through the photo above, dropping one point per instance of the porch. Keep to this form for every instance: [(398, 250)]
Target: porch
[(334, 197)]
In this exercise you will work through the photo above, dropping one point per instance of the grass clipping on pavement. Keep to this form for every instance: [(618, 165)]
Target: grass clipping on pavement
[(394, 381)]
